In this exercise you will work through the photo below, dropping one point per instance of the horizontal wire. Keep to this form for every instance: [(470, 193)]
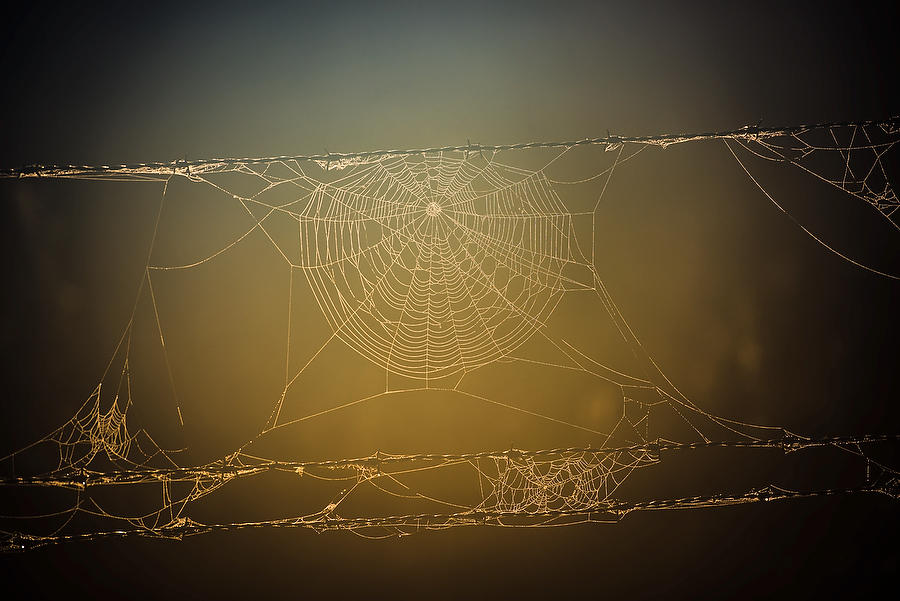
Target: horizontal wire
[(185, 167), (83, 478), (609, 510)]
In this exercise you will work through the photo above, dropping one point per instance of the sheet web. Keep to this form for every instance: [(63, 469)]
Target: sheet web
[(431, 266)]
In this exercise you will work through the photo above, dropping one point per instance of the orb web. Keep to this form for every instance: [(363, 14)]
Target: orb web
[(432, 266)]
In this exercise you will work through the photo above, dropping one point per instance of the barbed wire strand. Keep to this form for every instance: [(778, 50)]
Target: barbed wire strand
[(186, 166), (83, 478), (604, 511)]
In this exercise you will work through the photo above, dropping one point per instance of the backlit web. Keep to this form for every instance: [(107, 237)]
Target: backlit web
[(430, 265), (433, 266)]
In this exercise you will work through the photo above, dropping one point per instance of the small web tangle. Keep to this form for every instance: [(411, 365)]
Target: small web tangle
[(431, 265)]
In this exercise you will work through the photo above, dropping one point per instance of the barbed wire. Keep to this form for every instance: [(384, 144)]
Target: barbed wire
[(186, 167), (236, 466), (324, 521)]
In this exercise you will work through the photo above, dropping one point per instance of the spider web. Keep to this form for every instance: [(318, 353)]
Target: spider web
[(431, 265), (434, 267)]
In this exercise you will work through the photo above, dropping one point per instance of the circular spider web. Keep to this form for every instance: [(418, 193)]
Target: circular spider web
[(433, 265)]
